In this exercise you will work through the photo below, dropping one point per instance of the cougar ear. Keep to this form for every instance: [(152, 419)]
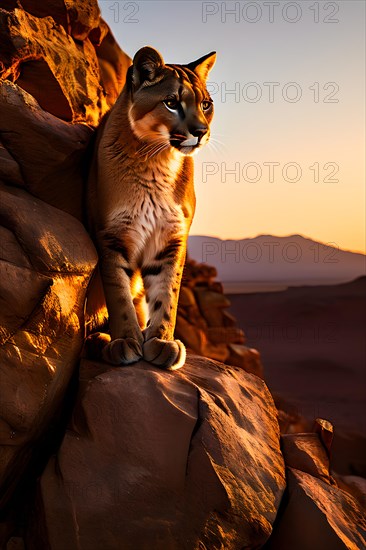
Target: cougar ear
[(147, 64), (203, 65)]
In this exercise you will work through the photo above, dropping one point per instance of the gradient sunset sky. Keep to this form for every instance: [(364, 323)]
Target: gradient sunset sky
[(292, 132)]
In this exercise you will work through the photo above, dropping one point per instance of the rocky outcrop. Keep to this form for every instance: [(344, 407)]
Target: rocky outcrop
[(45, 155), (60, 71), (317, 510), (59, 64), (189, 460), (203, 324), (318, 515), (46, 261), (161, 460), (64, 55)]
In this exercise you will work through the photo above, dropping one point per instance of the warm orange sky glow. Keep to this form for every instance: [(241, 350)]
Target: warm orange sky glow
[(288, 138)]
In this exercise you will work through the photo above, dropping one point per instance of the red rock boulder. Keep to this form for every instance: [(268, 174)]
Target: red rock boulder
[(160, 460)]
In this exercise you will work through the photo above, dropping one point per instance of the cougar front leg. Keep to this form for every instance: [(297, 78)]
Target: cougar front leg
[(126, 336), (162, 279)]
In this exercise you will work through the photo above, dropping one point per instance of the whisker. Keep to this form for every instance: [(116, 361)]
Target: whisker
[(217, 141), (159, 150), (154, 148), (153, 137), (151, 145), (148, 151), (221, 147), (211, 147)]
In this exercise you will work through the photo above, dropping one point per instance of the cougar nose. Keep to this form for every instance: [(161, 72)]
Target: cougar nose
[(199, 132)]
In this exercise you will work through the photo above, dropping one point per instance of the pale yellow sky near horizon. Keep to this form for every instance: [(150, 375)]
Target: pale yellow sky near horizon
[(287, 154)]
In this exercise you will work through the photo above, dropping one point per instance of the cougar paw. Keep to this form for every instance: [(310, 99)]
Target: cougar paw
[(165, 354), (122, 351)]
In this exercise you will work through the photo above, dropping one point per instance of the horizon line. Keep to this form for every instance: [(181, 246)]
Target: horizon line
[(362, 253)]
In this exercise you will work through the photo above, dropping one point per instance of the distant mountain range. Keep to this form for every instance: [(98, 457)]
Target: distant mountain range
[(292, 260)]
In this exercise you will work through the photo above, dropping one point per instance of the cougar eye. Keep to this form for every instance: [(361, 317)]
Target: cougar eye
[(206, 104), (172, 104)]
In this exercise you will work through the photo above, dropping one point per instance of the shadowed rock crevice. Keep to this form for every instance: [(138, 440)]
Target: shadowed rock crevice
[(50, 95)]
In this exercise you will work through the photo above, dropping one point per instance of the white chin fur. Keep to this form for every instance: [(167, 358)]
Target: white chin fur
[(188, 150), (191, 142)]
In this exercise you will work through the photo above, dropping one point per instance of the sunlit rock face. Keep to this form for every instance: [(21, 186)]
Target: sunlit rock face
[(331, 506), (62, 53), (204, 325), (161, 460), (334, 518), (60, 71), (46, 261)]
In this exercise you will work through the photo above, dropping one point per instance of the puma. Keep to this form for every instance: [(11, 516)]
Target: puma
[(141, 202)]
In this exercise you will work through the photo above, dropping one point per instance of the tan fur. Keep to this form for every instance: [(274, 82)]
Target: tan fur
[(141, 203)]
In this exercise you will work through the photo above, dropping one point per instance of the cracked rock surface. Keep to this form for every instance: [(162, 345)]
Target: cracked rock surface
[(153, 459), (63, 53), (60, 71), (46, 261)]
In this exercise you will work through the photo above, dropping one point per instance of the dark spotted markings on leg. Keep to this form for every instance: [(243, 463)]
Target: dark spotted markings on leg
[(151, 270), (170, 251), (159, 347), (128, 271), (112, 242), (126, 336)]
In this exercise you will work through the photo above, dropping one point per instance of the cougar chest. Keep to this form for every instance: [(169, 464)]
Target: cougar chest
[(159, 208)]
